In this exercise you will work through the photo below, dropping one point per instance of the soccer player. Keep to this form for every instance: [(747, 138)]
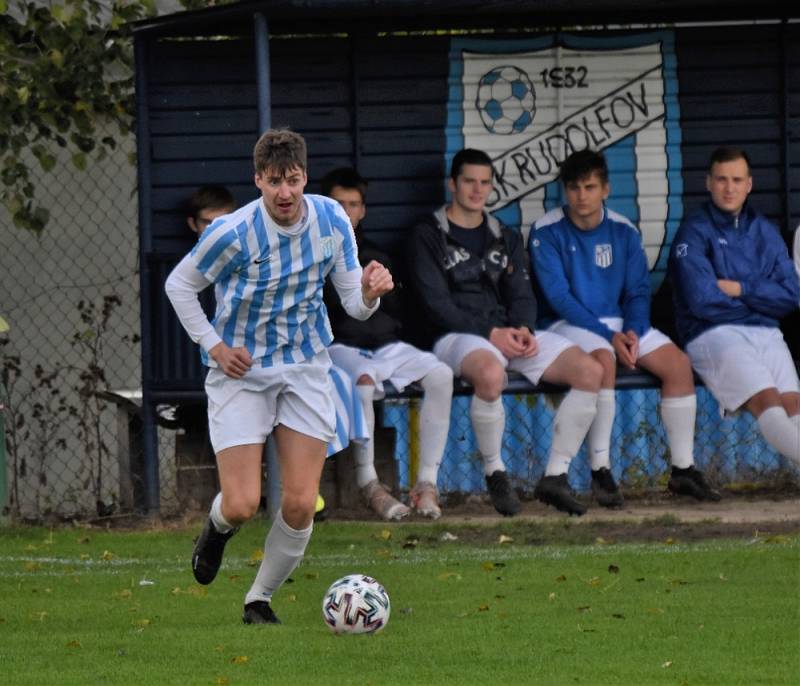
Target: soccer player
[(732, 281), (372, 353), (471, 279), (267, 353), (206, 204), (591, 267)]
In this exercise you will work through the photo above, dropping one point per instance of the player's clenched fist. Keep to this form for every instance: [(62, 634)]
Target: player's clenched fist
[(376, 280)]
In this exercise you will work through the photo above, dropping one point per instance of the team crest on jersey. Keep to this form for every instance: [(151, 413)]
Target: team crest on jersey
[(602, 255), (681, 250), (327, 244)]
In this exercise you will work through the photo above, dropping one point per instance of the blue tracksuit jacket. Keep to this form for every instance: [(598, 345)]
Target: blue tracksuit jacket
[(586, 275), (712, 244)]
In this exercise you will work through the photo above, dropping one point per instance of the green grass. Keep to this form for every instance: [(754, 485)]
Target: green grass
[(87, 606)]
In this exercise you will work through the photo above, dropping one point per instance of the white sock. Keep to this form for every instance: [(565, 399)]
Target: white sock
[(570, 425), (364, 451), (781, 432), (283, 551), (488, 423), (220, 523), (599, 436), (678, 414), (434, 421)]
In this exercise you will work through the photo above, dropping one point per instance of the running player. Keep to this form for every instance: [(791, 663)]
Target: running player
[(267, 353)]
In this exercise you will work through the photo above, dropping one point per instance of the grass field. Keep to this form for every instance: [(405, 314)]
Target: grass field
[(552, 605)]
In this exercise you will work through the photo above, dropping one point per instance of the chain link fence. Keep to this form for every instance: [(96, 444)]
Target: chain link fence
[(71, 299), (730, 450)]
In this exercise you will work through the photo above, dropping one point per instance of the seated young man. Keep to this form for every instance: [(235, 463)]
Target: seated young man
[(592, 270), (470, 276), (206, 204), (733, 280), (372, 353)]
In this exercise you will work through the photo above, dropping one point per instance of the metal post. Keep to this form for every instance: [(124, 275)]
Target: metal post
[(149, 430)]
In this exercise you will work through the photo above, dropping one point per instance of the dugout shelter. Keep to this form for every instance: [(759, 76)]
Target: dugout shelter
[(396, 87)]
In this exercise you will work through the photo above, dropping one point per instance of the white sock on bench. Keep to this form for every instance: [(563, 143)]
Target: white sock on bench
[(488, 423), (781, 432), (678, 414), (434, 421), (599, 437), (364, 451), (570, 425)]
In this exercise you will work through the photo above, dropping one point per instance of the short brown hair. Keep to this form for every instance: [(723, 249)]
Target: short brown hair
[(728, 154), (281, 151)]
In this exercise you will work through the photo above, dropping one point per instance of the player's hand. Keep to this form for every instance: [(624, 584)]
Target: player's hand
[(376, 280), (625, 349), (234, 362), (506, 340), (526, 338), (733, 289)]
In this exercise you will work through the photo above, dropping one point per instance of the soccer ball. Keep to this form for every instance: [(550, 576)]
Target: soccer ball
[(356, 604), (506, 100)]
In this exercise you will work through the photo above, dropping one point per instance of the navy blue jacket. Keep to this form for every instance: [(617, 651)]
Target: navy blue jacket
[(712, 244), (464, 293)]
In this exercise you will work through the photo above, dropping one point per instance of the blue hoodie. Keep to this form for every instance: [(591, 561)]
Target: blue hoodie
[(712, 244)]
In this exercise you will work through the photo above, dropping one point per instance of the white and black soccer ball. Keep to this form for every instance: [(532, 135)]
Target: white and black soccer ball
[(356, 604), (506, 100)]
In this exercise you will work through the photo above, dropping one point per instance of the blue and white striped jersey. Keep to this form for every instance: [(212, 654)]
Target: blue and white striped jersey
[(268, 279)]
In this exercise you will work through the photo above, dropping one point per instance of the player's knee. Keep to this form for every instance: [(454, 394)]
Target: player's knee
[(240, 509), (589, 373), (490, 381), (439, 378), (298, 511)]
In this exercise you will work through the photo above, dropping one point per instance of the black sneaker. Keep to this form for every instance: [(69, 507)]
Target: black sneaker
[(555, 491), (691, 481), (259, 612), (207, 554), (504, 498), (605, 489)]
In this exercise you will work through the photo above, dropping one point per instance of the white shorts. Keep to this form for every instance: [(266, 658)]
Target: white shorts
[(736, 362), (589, 341), (399, 363), (246, 410), (454, 347)]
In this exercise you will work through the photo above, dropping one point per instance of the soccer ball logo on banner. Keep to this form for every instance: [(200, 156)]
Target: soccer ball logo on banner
[(506, 100)]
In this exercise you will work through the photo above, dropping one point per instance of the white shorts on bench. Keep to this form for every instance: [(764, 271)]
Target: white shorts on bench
[(736, 362), (244, 411), (454, 347), (589, 341), (399, 363)]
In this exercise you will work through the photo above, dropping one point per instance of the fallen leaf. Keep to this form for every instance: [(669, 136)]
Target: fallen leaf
[(617, 615), (255, 557), (601, 541), (594, 582), (292, 598), (411, 542), (447, 536), (587, 631), (406, 610), (483, 607), (561, 578), (552, 596), (312, 575), (584, 608), (722, 577), (107, 556), (176, 590), (147, 582), (85, 557), (124, 594), (32, 566), (240, 659), (655, 610), (487, 566), (505, 539), (667, 664), (74, 644), (669, 541), (444, 576), (233, 578), (39, 616), (640, 579), (222, 681), (386, 534), (613, 569), (83, 540)]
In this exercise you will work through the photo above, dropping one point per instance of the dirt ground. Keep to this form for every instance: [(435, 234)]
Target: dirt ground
[(643, 520)]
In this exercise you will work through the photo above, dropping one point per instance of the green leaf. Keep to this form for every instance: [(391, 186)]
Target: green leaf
[(79, 160)]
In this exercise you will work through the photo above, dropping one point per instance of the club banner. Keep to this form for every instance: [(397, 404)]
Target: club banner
[(529, 104)]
